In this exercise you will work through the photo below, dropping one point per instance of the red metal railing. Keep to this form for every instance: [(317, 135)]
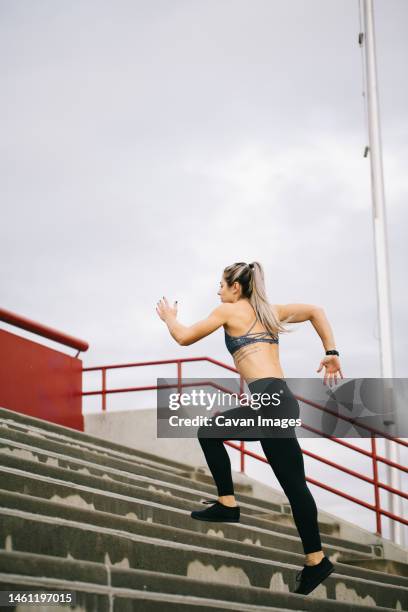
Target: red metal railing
[(375, 458), (42, 330)]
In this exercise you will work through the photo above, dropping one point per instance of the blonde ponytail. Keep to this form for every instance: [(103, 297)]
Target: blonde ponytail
[(252, 280)]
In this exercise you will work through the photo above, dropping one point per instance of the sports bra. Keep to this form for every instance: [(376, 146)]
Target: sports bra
[(234, 343)]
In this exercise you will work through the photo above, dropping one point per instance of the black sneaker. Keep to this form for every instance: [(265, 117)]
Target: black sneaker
[(312, 575), (218, 513)]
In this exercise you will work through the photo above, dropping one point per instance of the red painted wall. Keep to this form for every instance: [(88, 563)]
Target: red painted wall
[(40, 381)]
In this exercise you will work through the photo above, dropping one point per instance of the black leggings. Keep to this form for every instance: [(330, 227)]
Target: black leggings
[(283, 453)]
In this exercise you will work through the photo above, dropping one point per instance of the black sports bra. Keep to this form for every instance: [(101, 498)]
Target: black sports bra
[(234, 343)]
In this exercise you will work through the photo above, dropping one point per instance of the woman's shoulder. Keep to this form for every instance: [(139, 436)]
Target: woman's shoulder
[(237, 315)]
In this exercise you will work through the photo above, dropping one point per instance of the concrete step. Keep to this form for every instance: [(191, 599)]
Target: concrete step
[(57, 536), (70, 498), (166, 482), (389, 566), (118, 469), (123, 600), (228, 537), (53, 443), (190, 475), (140, 590), (285, 517), (52, 432), (97, 456), (83, 490), (13, 419), (201, 475), (31, 426)]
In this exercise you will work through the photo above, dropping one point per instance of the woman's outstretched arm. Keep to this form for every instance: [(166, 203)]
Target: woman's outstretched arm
[(188, 335)]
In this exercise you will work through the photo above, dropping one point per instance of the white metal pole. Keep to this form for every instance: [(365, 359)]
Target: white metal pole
[(381, 251)]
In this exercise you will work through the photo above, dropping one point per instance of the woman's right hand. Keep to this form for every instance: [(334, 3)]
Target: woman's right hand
[(331, 363)]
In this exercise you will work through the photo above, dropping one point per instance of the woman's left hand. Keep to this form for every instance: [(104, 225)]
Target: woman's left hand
[(164, 310), (333, 369)]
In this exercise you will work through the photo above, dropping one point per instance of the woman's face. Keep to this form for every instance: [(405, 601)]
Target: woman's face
[(229, 294)]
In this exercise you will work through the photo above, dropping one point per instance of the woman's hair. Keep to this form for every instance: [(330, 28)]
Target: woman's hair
[(252, 280)]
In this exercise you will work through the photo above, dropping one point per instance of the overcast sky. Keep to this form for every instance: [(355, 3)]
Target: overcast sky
[(147, 144)]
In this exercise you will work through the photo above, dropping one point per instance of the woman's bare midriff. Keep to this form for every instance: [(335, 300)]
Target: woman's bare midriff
[(258, 360)]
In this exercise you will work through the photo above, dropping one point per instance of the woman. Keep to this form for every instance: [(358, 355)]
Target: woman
[(256, 357)]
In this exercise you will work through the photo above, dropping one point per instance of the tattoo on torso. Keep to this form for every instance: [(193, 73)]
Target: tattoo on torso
[(245, 351)]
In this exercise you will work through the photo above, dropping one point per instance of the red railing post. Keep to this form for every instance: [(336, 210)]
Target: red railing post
[(377, 501), (242, 443), (242, 451), (103, 389)]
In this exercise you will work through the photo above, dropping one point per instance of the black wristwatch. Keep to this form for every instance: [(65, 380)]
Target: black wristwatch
[(333, 352)]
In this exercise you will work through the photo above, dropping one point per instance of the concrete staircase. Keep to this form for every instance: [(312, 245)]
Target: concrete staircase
[(113, 524)]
